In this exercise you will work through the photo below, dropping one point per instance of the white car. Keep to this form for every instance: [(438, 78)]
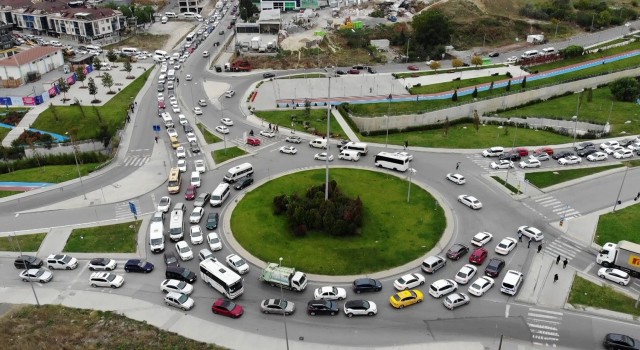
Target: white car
[(598, 156), (409, 281), (197, 110), (530, 163), (470, 201), (160, 97), (222, 129), (41, 275), (165, 203), (199, 165), (229, 93), (176, 286), (205, 53), (569, 160), (322, 156), (288, 150), (191, 137), (540, 156), (466, 273), (614, 275), (454, 300), (501, 164), (173, 100), (329, 293), (187, 77), (172, 132), (267, 133), (202, 103), (179, 300), (506, 245), (180, 152), (360, 307), (102, 264), (196, 235), (531, 232), (456, 178), (182, 165), (106, 279), (405, 154), (175, 109), (61, 262), (237, 263), (182, 119), (214, 241), (226, 121), (623, 153), (634, 146), (293, 139), (613, 149), (196, 215), (184, 251), (481, 286), (443, 287), (608, 144), (481, 238), (512, 59)]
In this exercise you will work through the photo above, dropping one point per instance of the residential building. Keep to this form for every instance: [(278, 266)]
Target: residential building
[(28, 65), (6, 39), (194, 6)]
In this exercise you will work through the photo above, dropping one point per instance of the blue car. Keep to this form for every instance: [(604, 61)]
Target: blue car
[(137, 265)]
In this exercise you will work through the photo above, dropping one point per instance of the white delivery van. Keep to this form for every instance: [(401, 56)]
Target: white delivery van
[(156, 236), (351, 155), (318, 143), (171, 15), (167, 120), (238, 172), (129, 51), (220, 194), (548, 50), (530, 53), (161, 53), (356, 146), (189, 15), (176, 226), (511, 282), (195, 178), (171, 75)]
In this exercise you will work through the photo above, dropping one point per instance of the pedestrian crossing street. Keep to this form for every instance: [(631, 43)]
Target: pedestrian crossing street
[(123, 211), (136, 160), (563, 247), (564, 211), (544, 326)]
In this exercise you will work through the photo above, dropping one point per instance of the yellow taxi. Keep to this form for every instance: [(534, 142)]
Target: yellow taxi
[(406, 298)]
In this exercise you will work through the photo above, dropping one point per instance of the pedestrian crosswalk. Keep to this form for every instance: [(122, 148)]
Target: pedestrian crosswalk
[(123, 211), (479, 160), (564, 211), (544, 326), (562, 247), (264, 141), (136, 160)]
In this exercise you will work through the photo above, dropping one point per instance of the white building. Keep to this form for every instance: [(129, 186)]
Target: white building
[(39, 60)]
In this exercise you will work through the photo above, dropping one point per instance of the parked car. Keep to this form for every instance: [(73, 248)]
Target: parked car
[(322, 307), (137, 265), (597, 156), (27, 262), (102, 264), (457, 251), (562, 154), (106, 279), (41, 275), (614, 275)]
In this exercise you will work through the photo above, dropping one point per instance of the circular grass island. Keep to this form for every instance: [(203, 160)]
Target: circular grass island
[(393, 232)]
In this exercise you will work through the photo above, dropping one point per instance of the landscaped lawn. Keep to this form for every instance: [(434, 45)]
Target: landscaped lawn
[(113, 113), (317, 120), (118, 238), (208, 136), (465, 136), (393, 232), (8, 193), (429, 71), (221, 155), (452, 85), (3, 133), (549, 178), (26, 243), (506, 184), (49, 173), (616, 226), (586, 293)]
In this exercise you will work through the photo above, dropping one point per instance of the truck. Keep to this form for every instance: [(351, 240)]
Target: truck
[(285, 277), (624, 256), (238, 66)]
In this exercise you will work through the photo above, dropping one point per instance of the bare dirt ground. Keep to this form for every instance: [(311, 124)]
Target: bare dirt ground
[(175, 30)]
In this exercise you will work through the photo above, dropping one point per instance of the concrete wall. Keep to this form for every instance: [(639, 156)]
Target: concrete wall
[(67, 148), (485, 106)]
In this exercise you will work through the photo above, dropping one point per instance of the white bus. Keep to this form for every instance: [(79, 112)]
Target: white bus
[(392, 161), (190, 37), (221, 278)]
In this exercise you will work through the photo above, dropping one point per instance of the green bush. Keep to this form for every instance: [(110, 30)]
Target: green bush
[(52, 159)]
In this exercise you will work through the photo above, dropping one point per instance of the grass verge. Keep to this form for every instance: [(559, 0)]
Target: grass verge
[(586, 293), (8, 193), (549, 178), (507, 185), (316, 120), (304, 76), (27, 243), (614, 226), (221, 155), (86, 329), (457, 84), (49, 173), (3, 133), (208, 136), (118, 238), (393, 232)]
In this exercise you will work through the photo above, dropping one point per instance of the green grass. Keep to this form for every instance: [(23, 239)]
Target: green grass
[(208, 136), (465, 136), (549, 178), (608, 43), (317, 120), (303, 76), (586, 293), (3, 133), (8, 193), (430, 71), (27, 243), (452, 85), (221, 155), (632, 163), (393, 232), (118, 238), (112, 113), (506, 184), (49, 173), (615, 226)]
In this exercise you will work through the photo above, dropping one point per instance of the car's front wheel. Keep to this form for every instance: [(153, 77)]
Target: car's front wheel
[(349, 315)]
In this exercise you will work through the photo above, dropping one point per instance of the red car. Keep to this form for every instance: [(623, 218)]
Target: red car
[(161, 105), (191, 193), (353, 71), (227, 308), (478, 256), (253, 141), (547, 150), (413, 68), (523, 152)]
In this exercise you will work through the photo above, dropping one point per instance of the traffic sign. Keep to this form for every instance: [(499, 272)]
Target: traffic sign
[(133, 209), (156, 128)]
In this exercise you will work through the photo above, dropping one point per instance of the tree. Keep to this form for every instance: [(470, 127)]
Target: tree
[(454, 97), (63, 87), (112, 56), (476, 61), (431, 28), (80, 75), (435, 65), (524, 82), (97, 64), (573, 51), (247, 9), (625, 89), (476, 120), (457, 63), (474, 94), (128, 68), (93, 88), (508, 86), (107, 81)]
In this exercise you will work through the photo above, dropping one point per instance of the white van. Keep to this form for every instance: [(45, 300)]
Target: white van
[(220, 194), (156, 236), (511, 282), (167, 120), (164, 19), (162, 53), (129, 51), (237, 172), (318, 143), (548, 50), (176, 226), (530, 53), (157, 58), (94, 48), (162, 78), (189, 15), (171, 14), (171, 75), (195, 178), (351, 155), (356, 146)]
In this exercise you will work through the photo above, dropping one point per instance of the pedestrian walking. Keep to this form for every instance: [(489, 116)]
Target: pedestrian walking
[(156, 139), (178, 80), (136, 103), (555, 278), (564, 263), (539, 248), (558, 260), (529, 244), (637, 197), (269, 126), (519, 237), (457, 165)]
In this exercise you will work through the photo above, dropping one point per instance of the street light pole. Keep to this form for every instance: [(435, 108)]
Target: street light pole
[(411, 172), (407, 59), (575, 127), (73, 145), (284, 314), (620, 190)]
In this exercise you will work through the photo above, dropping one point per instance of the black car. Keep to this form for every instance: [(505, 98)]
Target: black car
[(627, 142), (583, 145), (362, 285), (340, 72), (514, 157), (202, 199), (170, 259), (562, 154), (24, 262), (212, 221), (187, 128), (494, 267), (457, 251), (180, 274), (268, 75), (371, 70), (614, 341), (194, 147), (242, 183), (586, 151), (137, 265), (322, 307), (494, 54)]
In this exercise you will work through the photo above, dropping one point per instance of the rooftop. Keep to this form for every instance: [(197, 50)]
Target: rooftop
[(28, 56), (269, 16)]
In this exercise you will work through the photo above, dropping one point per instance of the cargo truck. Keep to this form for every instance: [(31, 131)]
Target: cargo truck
[(285, 277), (624, 256)]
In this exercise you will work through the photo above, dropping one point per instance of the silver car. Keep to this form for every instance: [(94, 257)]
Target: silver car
[(277, 306)]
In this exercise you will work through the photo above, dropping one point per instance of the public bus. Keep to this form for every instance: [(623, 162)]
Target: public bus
[(190, 37), (393, 161), (174, 181), (221, 278)]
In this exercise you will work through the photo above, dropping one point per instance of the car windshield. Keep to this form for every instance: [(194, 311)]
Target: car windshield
[(214, 239), (156, 218), (39, 273), (111, 277), (142, 263), (196, 234), (184, 249), (66, 259), (239, 262), (181, 285), (183, 298)]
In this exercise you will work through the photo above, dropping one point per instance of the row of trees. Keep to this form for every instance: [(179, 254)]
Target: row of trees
[(585, 13), (143, 14)]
